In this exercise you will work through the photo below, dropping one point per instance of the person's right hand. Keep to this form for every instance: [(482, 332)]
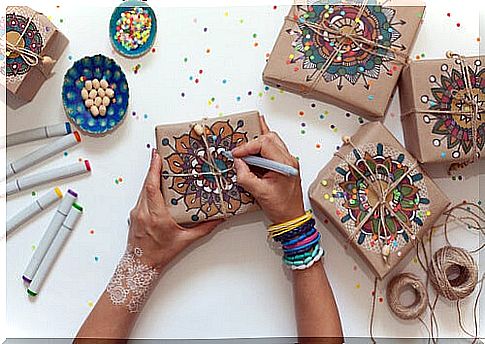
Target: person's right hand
[(279, 196)]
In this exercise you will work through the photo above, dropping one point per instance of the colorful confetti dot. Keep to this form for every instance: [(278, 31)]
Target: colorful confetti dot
[(148, 146), (91, 231), (357, 286), (90, 304), (66, 153), (34, 193), (33, 247), (96, 258)]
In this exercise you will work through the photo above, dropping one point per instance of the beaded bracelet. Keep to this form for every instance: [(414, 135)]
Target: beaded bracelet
[(301, 237), (300, 241), (297, 231), (310, 264)]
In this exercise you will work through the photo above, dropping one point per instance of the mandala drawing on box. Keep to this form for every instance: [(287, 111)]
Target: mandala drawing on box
[(450, 94), (201, 193), (24, 33), (355, 198), (334, 57)]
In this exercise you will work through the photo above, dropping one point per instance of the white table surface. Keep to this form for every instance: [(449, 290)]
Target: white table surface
[(232, 285)]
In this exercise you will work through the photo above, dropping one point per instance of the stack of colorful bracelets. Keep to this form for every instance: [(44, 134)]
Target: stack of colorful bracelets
[(300, 241)]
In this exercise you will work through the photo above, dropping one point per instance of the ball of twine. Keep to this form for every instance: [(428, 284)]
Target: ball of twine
[(453, 273), (395, 289)]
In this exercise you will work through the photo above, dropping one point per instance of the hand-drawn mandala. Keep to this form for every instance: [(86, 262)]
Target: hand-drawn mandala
[(202, 192), (355, 198), (352, 60), (31, 40), (450, 94)]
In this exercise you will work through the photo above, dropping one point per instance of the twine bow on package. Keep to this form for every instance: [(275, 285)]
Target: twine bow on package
[(198, 179), (349, 55), (378, 197), (443, 109), (33, 45)]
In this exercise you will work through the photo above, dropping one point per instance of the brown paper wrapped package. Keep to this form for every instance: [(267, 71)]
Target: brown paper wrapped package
[(345, 198), (189, 186), (430, 85), (366, 90), (24, 86)]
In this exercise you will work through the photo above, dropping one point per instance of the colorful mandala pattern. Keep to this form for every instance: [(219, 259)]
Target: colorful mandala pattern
[(201, 193), (449, 94), (353, 61), (31, 40), (355, 198)]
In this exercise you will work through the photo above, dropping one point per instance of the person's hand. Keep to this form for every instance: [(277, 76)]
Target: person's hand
[(153, 229), (279, 196)]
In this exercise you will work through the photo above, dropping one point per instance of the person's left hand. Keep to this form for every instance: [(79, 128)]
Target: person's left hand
[(153, 229)]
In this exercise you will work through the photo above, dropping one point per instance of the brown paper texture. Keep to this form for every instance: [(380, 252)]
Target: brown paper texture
[(41, 37), (344, 198), (439, 85), (361, 82), (192, 199)]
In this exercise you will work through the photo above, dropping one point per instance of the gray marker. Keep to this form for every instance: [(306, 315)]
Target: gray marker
[(42, 153), (55, 249), (33, 209), (35, 134), (266, 164), (49, 235)]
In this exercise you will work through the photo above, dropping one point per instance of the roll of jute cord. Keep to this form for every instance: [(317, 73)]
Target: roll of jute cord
[(397, 286), (449, 261)]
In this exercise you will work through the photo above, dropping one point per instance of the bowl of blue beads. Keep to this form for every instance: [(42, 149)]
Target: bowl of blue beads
[(95, 95)]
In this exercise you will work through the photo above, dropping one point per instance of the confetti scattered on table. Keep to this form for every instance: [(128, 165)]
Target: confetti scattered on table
[(136, 68), (118, 180)]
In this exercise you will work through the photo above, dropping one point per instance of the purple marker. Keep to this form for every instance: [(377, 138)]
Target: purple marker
[(49, 235)]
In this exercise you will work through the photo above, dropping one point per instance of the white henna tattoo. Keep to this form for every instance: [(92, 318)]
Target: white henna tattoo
[(132, 281)]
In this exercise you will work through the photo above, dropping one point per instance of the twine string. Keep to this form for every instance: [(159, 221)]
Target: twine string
[(472, 112), (215, 172), (31, 58), (382, 195)]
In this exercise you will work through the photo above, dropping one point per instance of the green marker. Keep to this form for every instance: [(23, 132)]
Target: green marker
[(55, 248)]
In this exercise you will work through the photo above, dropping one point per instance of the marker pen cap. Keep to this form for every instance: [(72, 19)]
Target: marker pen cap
[(44, 202), (73, 216), (67, 202), (59, 129)]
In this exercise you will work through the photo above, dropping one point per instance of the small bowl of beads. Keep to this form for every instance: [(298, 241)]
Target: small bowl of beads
[(133, 28), (95, 95)]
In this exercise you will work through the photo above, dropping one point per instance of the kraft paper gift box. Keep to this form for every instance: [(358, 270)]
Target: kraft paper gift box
[(33, 45), (193, 180), (443, 119), (346, 55), (374, 166)]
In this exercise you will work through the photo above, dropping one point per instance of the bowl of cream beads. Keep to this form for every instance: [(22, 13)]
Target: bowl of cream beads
[(133, 28), (95, 95)]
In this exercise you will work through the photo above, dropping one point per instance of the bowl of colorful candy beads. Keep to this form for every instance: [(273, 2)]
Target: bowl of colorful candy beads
[(133, 28), (95, 95)]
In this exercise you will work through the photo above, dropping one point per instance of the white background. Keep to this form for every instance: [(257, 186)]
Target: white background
[(232, 284)]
